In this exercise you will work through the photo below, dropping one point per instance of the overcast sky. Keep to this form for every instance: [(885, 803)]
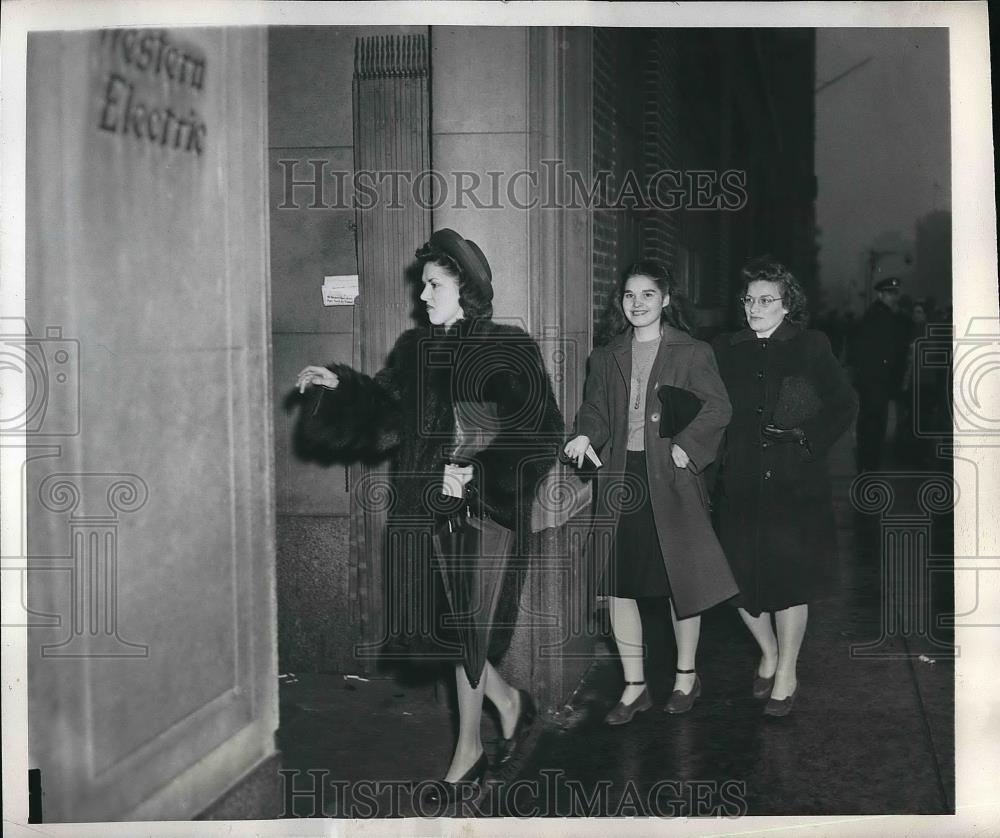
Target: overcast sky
[(882, 140)]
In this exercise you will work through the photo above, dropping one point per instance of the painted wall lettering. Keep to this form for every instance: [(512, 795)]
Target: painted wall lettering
[(148, 89)]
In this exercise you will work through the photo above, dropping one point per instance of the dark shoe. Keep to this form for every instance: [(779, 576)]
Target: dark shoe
[(447, 793), (781, 706), (525, 719), (682, 702), (762, 686), (622, 714)]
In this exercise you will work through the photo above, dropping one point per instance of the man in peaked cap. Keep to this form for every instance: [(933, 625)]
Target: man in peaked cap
[(877, 357)]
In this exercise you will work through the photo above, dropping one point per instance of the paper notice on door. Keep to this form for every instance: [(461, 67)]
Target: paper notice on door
[(340, 290)]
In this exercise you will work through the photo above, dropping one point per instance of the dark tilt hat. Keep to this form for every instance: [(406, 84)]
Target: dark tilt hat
[(468, 256), (890, 283)]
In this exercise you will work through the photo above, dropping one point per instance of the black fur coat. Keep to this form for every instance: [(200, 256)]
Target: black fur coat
[(405, 415)]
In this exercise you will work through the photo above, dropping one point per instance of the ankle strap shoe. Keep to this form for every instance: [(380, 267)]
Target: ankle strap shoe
[(681, 702)]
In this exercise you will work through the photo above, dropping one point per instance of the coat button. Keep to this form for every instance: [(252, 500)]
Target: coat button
[(760, 374), (765, 444), (655, 417), (759, 410), (767, 474)]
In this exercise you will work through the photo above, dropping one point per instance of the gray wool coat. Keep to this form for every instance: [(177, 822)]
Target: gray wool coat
[(696, 567)]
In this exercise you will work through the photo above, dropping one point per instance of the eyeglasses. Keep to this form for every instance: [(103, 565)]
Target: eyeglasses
[(765, 302)]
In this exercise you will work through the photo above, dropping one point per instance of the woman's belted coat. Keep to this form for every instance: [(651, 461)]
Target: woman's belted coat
[(697, 570), (774, 504), (405, 415)]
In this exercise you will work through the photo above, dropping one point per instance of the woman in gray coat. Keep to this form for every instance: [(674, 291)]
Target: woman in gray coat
[(651, 489)]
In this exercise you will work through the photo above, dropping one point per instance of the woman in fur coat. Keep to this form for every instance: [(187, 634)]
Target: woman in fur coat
[(461, 363)]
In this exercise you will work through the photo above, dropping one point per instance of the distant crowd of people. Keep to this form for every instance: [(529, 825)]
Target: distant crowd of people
[(903, 400)]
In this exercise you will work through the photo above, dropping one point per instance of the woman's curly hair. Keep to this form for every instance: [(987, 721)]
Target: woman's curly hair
[(470, 294), (677, 314), (769, 269)]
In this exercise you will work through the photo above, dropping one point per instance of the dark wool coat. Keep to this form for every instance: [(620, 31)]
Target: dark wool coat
[(877, 351), (774, 505), (696, 568), (405, 415)]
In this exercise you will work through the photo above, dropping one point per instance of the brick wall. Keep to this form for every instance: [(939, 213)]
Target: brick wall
[(660, 141), (710, 100)]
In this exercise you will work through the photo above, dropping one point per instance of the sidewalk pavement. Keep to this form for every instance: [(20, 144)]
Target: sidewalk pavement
[(868, 734)]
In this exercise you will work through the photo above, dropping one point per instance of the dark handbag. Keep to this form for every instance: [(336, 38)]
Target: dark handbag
[(797, 402), (678, 407)]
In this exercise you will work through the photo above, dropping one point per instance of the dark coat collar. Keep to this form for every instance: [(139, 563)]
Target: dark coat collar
[(785, 331)]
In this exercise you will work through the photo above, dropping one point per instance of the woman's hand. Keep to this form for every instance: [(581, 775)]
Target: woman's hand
[(680, 457), (456, 478), (313, 376), (576, 449)]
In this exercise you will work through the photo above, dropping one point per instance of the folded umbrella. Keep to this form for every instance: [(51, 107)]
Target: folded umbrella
[(473, 554)]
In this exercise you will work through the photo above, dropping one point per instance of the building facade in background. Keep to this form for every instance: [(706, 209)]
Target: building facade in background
[(733, 112), (220, 174)]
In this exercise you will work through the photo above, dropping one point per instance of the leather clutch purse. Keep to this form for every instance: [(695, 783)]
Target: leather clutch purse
[(677, 408)]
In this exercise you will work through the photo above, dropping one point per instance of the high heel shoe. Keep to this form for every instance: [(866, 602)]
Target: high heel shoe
[(682, 702), (623, 713), (446, 793), (525, 719)]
